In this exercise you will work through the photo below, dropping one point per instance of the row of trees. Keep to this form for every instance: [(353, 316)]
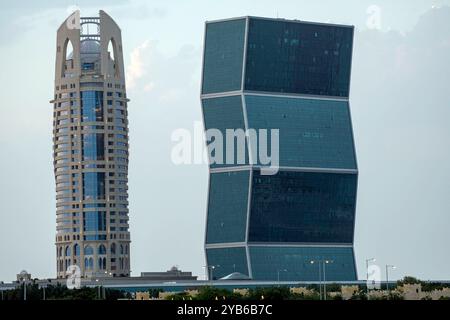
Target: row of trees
[(270, 293), (427, 286), (284, 293), (60, 292)]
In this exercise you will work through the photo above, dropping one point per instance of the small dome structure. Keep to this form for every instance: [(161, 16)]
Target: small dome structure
[(236, 276), (89, 53)]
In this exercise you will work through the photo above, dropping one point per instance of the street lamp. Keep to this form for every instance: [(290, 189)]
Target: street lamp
[(367, 272), (212, 271), (24, 289), (320, 277), (387, 274), (322, 272), (209, 271), (325, 262), (98, 286), (278, 273)]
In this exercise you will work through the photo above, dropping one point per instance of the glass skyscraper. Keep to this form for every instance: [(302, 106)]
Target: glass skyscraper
[(90, 135), (294, 76)]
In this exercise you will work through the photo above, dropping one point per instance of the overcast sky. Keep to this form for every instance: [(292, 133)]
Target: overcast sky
[(400, 104)]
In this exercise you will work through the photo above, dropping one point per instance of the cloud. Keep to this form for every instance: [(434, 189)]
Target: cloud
[(400, 111), (21, 19), (149, 86), (137, 68), (138, 11), (163, 78)]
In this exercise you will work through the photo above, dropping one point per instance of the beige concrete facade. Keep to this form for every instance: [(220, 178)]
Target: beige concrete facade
[(414, 292), (301, 290), (92, 223), (142, 296), (348, 291)]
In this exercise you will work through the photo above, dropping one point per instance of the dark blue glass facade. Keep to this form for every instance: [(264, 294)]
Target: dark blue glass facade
[(266, 261), (91, 106), (227, 206), (313, 133), (226, 261), (93, 146), (93, 149), (292, 57), (225, 113), (94, 221), (94, 185), (304, 207), (223, 56), (296, 80)]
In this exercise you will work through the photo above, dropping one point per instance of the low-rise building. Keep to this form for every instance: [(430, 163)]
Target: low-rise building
[(173, 274)]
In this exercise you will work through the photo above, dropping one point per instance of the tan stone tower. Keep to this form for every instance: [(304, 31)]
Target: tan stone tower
[(90, 135)]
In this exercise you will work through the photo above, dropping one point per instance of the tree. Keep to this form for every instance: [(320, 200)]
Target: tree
[(60, 292), (408, 280), (178, 296), (359, 295), (211, 293), (271, 293), (154, 293)]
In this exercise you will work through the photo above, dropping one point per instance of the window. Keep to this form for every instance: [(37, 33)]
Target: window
[(76, 249), (102, 263), (94, 221), (88, 251), (87, 66), (94, 186), (93, 146), (92, 105), (101, 249), (67, 252)]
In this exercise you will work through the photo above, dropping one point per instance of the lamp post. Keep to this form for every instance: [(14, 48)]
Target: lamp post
[(98, 287), (367, 272), (325, 262), (209, 271), (212, 271), (278, 274), (389, 266), (322, 272), (24, 289), (320, 277)]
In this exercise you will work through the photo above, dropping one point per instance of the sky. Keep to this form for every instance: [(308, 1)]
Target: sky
[(400, 104)]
